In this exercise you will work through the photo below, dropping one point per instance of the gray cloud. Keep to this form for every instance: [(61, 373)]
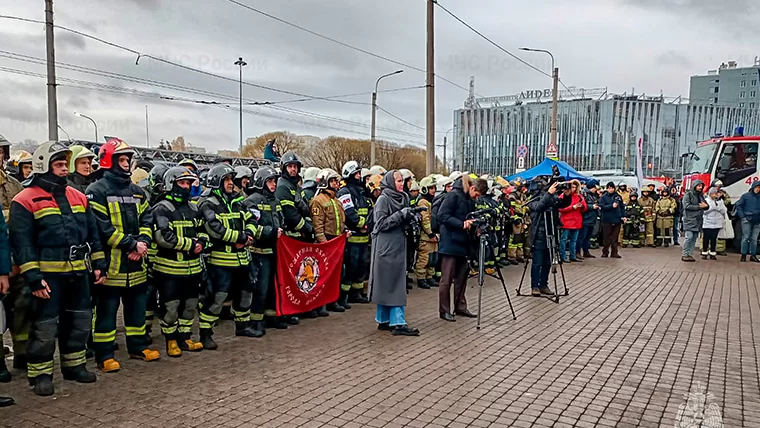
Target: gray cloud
[(672, 59)]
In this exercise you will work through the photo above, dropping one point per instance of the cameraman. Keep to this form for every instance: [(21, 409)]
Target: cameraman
[(544, 202), (453, 246)]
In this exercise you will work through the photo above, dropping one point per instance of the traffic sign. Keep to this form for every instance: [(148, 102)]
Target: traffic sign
[(520, 162), (551, 150), (522, 151)]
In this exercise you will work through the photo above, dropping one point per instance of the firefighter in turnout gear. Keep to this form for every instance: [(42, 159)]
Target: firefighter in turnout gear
[(55, 242), (518, 214), (665, 209), (295, 209), (428, 246), (634, 214), (329, 221), (647, 204), (268, 214), (155, 192), (353, 199), (125, 223), (310, 183), (180, 239), (242, 180), (412, 188), (231, 229)]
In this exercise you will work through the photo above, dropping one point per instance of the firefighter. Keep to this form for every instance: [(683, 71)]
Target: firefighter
[(80, 168), (329, 221), (720, 247), (55, 242), (377, 170), (665, 209), (521, 206), (180, 240), (428, 246), (647, 204), (519, 217), (197, 189), (268, 214), (21, 163), (231, 229), (242, 179), (357, 207), (634, 213), (291, 197), (155, 191), (625, 194), (373, 188), (124, 220), (505, 205), (310, 183)]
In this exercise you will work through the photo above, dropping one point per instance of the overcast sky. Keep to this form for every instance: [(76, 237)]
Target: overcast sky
[(649, 45)]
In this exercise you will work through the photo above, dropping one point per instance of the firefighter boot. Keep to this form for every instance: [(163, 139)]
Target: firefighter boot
[(109, 366), (207, 339), (291, 320), (146, 355), (322, 312), (5, 375), (276, 323), (343, 300), (43, 385), (335, 307), (79, 374), (244, 329), (422, 283), (172, 349), (258, 328), (189, 345), (355, 296)]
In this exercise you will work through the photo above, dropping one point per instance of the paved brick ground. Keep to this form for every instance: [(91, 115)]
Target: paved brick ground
[(633, 339)]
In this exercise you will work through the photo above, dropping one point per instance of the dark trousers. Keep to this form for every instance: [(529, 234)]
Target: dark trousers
[(109, 298), (65, 315), (355, 267), (264, 297), (227, 281), (152, 303), (177, 303), (17, 313), (584, 238), (709, 241), (610, 235), (541, 264), (453, 269)]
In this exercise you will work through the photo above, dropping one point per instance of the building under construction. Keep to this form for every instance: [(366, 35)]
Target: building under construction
[(596, 130)]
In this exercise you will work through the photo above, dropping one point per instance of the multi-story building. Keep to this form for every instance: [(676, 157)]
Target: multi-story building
[(594, 132), (729, 85)]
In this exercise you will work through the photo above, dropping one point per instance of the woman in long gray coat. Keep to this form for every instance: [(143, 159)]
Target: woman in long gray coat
[(387, 278)]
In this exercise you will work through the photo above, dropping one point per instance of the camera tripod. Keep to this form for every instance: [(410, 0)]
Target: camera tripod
[(554, 258), (483, 246)]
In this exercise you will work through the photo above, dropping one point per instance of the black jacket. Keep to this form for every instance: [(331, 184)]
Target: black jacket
[(591, 215), (79, 181), (267, 213), (295, 210), (177, 228), (227, 224), (542, 209), (611, 214), (358, 211), (124, 218), (451, 216)]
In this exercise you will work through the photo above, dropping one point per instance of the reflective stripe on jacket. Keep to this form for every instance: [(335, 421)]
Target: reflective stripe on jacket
[(177, 228), (227, 223)]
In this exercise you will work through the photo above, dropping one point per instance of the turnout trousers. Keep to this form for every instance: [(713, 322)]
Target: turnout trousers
[(227, 281), (664, 227), (355, 267), (65, 315), (17, 313), (178, 301), (426, 252), (109, 298), (264, 297)]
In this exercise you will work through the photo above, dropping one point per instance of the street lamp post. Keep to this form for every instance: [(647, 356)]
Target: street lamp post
[(64, 131), (555, 79), (374, 114), (240, 63), (445, 165), (91, 120)]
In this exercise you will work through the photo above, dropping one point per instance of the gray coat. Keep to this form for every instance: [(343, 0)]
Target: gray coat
[(387, 279), (692, 212)]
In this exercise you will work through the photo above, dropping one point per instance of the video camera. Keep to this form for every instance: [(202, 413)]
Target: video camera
[(541, 183), (482, 220)]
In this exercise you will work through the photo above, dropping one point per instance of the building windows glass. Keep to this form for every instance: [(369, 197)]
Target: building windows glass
[(741, 105), (751, 105), (752, 94), (742, 94), (753, 83), (743, 84)]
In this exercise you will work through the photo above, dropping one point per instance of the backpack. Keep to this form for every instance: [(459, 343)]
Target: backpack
[(434, 226)]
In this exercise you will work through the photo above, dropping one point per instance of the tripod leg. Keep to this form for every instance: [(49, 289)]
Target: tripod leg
[(481, 276), (564, 283), (522, 279), (506, 293)]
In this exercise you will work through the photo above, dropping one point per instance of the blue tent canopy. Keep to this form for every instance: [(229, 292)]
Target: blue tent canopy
[(545, 168)]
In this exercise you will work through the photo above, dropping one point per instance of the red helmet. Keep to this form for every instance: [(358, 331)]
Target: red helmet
[(113, 147)]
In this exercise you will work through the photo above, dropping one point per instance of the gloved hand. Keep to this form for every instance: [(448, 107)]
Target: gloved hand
[(419, 209)]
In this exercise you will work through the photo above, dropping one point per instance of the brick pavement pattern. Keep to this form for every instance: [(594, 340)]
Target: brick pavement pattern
[(634, 337)]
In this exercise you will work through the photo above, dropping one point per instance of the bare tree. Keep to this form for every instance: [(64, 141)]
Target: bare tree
[(286, 141)]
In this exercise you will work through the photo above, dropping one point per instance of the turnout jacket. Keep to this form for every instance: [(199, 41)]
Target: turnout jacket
[(428, 235), (666, 207), (177, 228), (267, 213), (123, 216), (328, 216), (358, 210), (648, 206), (295, 209), (45, 223), (227, 223)]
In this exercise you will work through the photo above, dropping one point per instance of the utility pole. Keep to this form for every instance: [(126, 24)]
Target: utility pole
[(52, 99), (147, 134), (240, 63), (553, 137), (430, 122)]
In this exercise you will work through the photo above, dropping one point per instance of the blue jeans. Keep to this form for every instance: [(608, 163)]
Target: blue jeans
[(749, 238), (688, 245), (567, 241), (584, 238), (539, 269), (393, 315)]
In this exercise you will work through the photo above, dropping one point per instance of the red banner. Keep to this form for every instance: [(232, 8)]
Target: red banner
[(308, 275)]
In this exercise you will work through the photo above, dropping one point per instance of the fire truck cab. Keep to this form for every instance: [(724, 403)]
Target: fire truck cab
[(732, 160)]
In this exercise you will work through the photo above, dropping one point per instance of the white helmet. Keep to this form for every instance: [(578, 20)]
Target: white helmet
[(324, 177), (406, 174), (48, 152), (242, 171), (350, 168), (310, 175), (456, 175), (365, 173), (377, 170)]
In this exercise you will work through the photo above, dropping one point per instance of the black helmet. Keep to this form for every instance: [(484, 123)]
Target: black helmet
[(156, 178), (178, 173), (218, 173), (290, 158), (202, 175), (262, 175)]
